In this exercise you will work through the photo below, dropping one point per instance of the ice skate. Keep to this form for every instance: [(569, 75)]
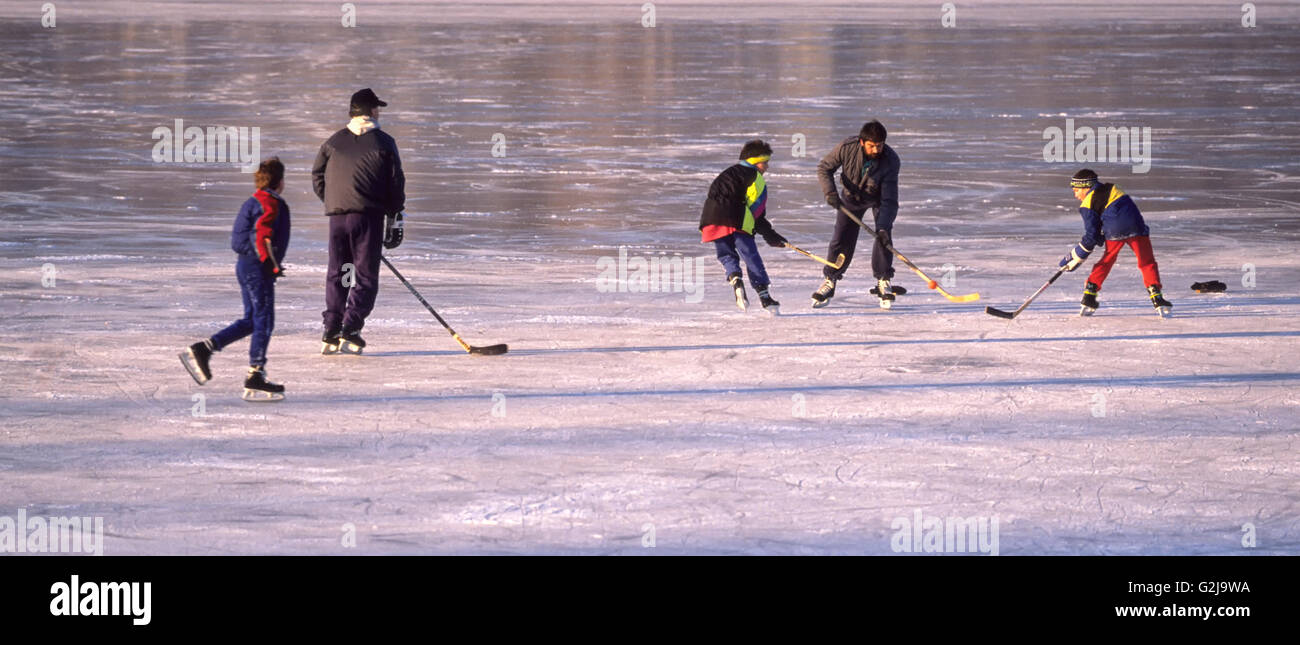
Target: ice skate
[(350, 342), (1163, 307), (195, 359), (898, 291), (885, 292), (258, 389), (822, 296), (1088, 306), (329, 342), (770, 305), (742, 300)]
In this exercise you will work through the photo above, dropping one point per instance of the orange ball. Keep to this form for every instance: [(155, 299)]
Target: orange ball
[(934, 285)]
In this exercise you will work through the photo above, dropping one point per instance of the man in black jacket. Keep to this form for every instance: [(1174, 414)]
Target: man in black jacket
[(869, 172), (358, 174)]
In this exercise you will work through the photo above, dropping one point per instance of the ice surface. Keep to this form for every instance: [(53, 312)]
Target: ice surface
[(725, 432)]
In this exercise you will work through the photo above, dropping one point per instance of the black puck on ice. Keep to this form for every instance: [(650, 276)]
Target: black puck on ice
[(1210, 286)]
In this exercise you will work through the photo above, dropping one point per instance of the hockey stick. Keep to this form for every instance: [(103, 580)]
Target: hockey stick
[(1012, 314), (489, 350), (839, 262), (270, 253), (970, 297)]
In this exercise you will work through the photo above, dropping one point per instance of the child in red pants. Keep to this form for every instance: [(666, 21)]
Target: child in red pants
[(1110, 216)]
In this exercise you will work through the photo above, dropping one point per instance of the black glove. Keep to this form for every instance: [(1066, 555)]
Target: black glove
[(834, 201), (773, 238), (393, 230), (884, 237)]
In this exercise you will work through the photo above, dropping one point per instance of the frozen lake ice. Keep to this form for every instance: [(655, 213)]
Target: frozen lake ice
[(618, 415)]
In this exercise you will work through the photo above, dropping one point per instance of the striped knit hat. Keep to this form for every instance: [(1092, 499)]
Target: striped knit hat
[(1083, 179)]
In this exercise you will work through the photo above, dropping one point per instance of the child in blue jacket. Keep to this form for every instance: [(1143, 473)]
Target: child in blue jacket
[(260, 237), (1111, 221)]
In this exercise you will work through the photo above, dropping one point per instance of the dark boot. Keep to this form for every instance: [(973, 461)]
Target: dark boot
[(738, 285), (257, 388), (351, 342), (195, 359), (1089, 304), (770, 305), (1163, 307), (330, 341)]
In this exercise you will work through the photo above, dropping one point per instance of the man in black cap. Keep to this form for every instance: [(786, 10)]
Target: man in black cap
[(358, 174)]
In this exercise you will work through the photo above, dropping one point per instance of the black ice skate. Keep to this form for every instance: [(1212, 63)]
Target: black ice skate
[(195, 359), (329, 342), (1163, 307), (742, 300), (1089, 304), (822, 296), (770, 305), (350, 342), (257, 388), (885, 292), (898, 291)]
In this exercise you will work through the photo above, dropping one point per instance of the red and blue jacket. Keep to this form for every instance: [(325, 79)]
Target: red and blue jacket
[(1109, 214), (263, 217)]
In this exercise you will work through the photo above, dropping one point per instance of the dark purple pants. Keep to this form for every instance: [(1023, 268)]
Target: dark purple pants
[(845, 240), (357, 240)]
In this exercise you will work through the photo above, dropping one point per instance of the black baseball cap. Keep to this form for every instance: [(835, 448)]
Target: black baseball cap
[(366, 99)]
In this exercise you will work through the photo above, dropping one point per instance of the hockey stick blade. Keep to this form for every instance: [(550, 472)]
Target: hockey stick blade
[(1002, 314), (839, 261), (970, 297), (929, 282), (490, 350)]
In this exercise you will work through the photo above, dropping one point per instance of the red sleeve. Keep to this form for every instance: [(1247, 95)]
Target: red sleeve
[(262, 228)]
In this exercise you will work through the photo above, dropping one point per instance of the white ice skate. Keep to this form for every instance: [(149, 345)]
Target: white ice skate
[(886, 293)]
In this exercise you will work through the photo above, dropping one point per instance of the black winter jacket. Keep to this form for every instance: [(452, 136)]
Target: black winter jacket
[(359, 174), (725, 205)]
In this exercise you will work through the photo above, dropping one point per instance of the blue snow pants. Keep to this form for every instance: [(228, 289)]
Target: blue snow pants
[(259, 312), (742, 245)]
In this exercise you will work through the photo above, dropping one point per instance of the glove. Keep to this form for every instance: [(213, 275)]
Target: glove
[(393, 230), (1211, 286), (773, 238), (834, 201), (1076, 257), (885, 237)]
